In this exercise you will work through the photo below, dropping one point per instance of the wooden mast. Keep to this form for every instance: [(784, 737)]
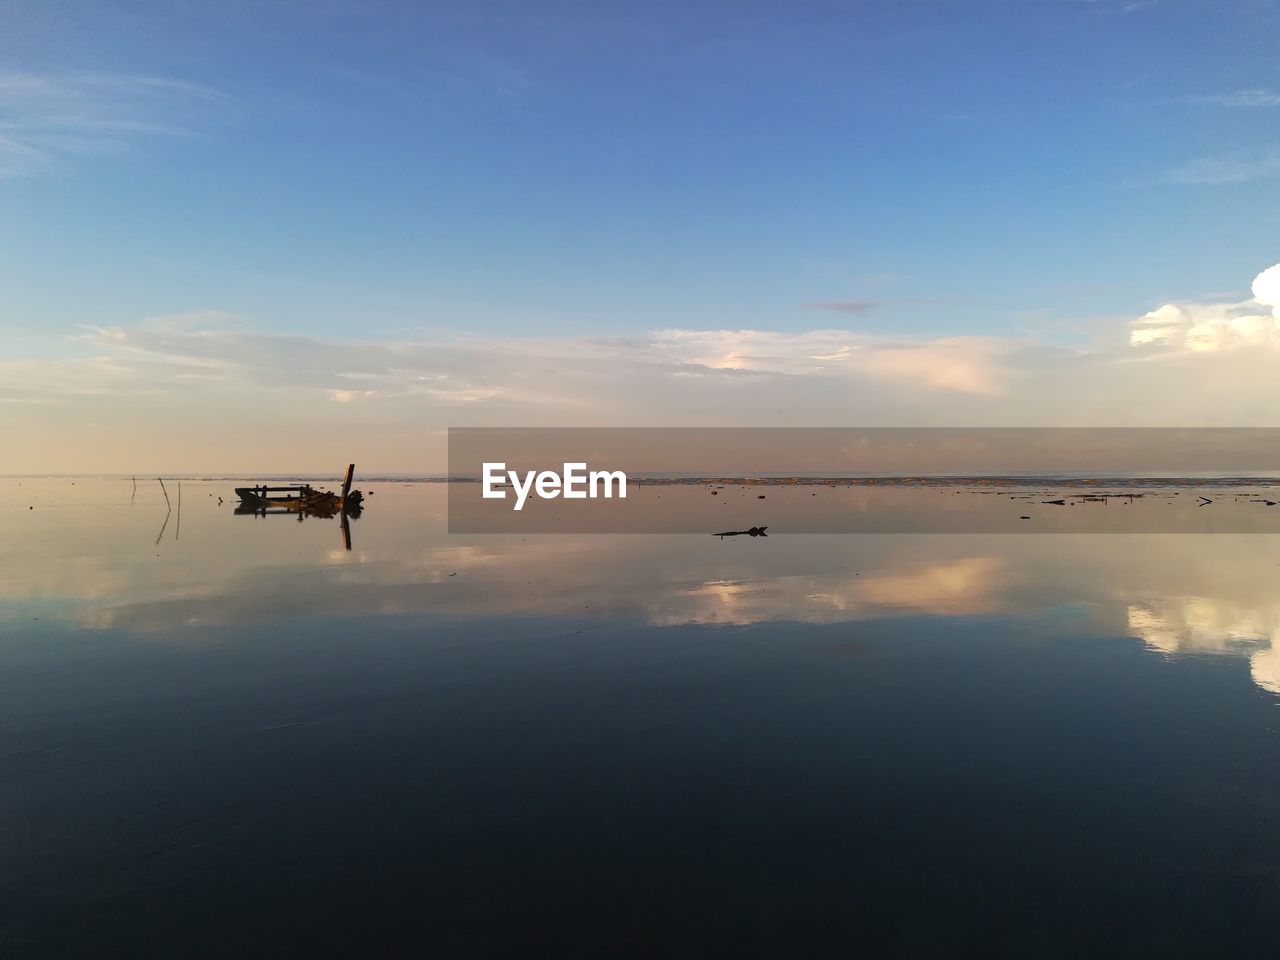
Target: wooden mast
[(346, 484)]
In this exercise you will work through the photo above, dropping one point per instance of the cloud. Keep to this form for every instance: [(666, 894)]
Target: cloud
[(1266, 286), (173, 352), (865, 306), (1126, 7), (1235, 169), (1214, 327), (46, 118), (887, 278), (730, 375), (964, 364), (164, 375), (845, 306), (1241, 99)]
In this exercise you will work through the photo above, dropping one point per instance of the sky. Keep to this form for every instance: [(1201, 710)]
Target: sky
[(280, 236)]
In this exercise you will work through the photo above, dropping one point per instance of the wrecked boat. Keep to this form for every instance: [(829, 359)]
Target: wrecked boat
[(302, 498)]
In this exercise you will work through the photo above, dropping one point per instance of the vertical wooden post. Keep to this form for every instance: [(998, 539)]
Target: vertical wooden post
[(346, 484)]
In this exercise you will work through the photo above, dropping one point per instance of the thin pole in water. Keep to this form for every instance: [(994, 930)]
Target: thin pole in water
[(346, 484)]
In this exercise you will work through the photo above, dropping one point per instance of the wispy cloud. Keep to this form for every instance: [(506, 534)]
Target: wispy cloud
[(1241, 99), (1124, 6), (504, 372), (46, 118), (865, 306), (736, 372), (845, 306), (951, 364), (161, 375), (1241, 168)]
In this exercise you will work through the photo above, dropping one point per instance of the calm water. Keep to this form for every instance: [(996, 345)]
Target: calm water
[(234, 737)]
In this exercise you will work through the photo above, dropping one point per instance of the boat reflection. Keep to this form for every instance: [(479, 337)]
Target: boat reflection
[(302, 500)]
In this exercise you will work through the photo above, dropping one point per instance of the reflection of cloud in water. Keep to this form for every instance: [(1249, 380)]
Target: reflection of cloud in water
[(967, 586), (100, 568), (1264, 666), (963, 587), (1203, 625)]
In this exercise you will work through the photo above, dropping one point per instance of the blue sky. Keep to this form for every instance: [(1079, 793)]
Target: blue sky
[(396, 173)]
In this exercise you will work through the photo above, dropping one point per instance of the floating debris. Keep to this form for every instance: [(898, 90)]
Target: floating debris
[(752, 532)]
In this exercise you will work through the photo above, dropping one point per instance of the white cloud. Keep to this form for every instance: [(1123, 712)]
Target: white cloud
[(1266, 286), (1213, 327)]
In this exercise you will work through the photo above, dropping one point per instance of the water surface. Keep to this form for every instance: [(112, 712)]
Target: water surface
[(235, 736)]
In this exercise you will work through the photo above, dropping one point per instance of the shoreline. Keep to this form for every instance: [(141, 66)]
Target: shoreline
[(927, 480)]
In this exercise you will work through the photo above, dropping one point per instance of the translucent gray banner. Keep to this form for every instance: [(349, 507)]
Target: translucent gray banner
[(757, 482)]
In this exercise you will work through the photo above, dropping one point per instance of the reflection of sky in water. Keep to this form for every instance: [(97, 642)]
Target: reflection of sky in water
[(1053, 737), (88, 556)]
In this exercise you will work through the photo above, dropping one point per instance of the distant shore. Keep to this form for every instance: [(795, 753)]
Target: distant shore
[(929, 481), (773, 480)]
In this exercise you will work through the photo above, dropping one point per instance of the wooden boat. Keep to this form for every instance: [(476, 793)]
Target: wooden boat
[(302, 500), (301, 497), (294, 496)]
